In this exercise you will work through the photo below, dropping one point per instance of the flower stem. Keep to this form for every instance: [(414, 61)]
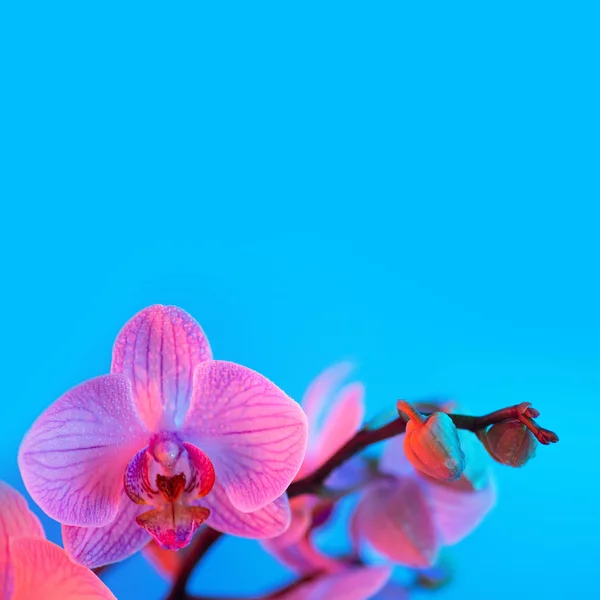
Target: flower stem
[(200, 545), (313, 483)]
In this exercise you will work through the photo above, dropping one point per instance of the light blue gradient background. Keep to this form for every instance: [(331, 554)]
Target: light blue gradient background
[(415, 189)]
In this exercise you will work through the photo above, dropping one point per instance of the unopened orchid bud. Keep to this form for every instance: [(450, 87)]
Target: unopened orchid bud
[(510, 443), (431, 444)]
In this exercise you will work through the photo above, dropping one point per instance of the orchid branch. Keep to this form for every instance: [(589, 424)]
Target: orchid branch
[(199, 546), (313, 483)]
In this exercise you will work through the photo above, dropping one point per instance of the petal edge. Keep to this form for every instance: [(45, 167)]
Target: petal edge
[(254, 434), (73, 458), (43, 570), (158, 349)]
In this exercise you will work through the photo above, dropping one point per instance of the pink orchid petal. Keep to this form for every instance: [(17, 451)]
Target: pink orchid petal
[(359, 583), (394, 517), (302, 556), (343, 420), (457, 513), (269, 521), (392, 591), (254, 434), (73, 458), (318, 402), (43, 570), (16, 520), (301, 519), (319, 393), (98, 546), (294, 548), (158, 350), (458, 507)]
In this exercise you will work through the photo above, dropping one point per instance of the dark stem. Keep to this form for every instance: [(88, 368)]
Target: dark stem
[(199, 546), (102, 570), (312, 484)]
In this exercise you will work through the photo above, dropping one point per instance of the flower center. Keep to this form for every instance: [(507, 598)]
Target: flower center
[(171, 476), (166, 451), (171, 487)]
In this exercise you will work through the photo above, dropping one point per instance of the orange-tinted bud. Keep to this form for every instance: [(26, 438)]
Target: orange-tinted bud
[(510, 443), (431, 444)]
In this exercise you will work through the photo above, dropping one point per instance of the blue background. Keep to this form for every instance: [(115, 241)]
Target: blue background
[(415, 189)]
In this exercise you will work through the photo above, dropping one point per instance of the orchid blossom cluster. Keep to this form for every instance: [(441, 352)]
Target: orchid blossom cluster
[(172, 449)]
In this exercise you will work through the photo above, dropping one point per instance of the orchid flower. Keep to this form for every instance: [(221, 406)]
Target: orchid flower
[(33, 567), (168, 440), (334, 415), (408, 516)]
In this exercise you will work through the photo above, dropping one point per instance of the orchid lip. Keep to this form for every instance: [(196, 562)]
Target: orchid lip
[(170, 476)]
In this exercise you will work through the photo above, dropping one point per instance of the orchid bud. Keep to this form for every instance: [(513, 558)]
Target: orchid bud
[(431, 444), (510, 443)]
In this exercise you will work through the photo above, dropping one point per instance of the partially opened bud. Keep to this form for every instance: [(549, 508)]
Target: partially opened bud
[(510, 443), (431, 444)]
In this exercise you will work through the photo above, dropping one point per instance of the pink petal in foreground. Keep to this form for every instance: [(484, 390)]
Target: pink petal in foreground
[(394, 517), (43, 570), (301, 518), (267, 522), (158, 350), (252, 431), (457, 513), (16, 520), (98, 546), (302, 556), (359, 583), (458, 507), (73, 458)]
